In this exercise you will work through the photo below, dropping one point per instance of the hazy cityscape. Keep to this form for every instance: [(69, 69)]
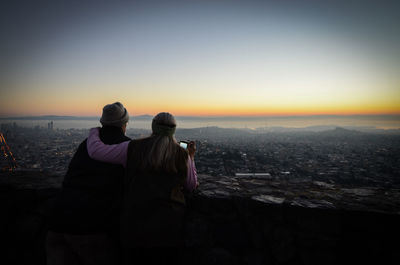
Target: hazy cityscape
[(313, 167), (337, 156)]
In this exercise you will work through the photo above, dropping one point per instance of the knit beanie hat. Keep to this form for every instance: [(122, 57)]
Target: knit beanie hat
[(114, 115), (163, 124)]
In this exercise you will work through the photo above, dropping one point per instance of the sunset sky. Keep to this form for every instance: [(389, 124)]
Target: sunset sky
[(200, 57)]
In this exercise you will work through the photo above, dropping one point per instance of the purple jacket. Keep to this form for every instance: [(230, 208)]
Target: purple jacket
[(118, 153)]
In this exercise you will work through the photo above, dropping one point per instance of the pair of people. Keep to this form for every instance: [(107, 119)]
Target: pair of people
[(134, 186)]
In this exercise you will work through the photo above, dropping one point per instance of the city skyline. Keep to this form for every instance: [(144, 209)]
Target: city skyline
[(214, 58)]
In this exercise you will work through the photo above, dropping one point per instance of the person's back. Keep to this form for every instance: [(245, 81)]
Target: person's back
[(91, 192), (153, 208), (83, 222)]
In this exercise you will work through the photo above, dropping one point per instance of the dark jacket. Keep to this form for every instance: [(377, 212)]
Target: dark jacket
[(90, 198), (153, 204)]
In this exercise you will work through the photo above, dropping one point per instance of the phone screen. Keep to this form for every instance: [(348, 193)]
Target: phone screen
[(182, 144)]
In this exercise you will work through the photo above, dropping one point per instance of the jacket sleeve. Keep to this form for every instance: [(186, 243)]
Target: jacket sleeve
[(191, 179), (115, 153)]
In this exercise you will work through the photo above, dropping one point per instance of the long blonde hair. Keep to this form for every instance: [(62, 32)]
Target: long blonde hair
[(164, 153)]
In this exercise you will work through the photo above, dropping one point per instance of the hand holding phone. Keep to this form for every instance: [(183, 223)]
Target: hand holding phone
[(190, 146), (183, 144)]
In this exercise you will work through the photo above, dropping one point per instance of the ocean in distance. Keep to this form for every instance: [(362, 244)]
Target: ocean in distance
[(294, 122)]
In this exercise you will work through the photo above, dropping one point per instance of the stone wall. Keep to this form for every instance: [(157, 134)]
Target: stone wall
[(228, 229), (239, 230)]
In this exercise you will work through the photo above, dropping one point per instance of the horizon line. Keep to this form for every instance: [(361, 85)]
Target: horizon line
[(22, 117)]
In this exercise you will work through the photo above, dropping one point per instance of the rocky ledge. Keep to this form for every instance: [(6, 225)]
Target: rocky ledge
[(236, 220), (303, 193)]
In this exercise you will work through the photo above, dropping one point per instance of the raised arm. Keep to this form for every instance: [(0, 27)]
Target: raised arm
[(115, 153), (191, 179)]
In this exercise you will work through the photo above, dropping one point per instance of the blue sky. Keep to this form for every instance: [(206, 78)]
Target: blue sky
[(201, 57)]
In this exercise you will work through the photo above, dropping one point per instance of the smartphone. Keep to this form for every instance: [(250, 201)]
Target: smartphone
[(183, 144)]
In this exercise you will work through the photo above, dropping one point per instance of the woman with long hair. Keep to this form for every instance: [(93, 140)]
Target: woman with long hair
[(158, 170)]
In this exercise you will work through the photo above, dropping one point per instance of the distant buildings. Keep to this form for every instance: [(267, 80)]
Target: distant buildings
[(349, 161), (50, 126)]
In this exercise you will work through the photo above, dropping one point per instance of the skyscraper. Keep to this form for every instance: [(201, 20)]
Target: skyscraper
[(50, 125)]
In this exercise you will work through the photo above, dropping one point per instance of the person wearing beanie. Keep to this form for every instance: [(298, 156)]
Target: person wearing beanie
[(114, 115), (158, 171), (84, 222)]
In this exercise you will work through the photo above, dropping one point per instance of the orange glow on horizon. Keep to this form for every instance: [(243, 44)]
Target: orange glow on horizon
[(209, 112), (212, 110), (91, 105)]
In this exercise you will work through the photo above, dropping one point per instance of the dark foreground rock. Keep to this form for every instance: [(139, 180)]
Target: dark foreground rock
[(223, 227)]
